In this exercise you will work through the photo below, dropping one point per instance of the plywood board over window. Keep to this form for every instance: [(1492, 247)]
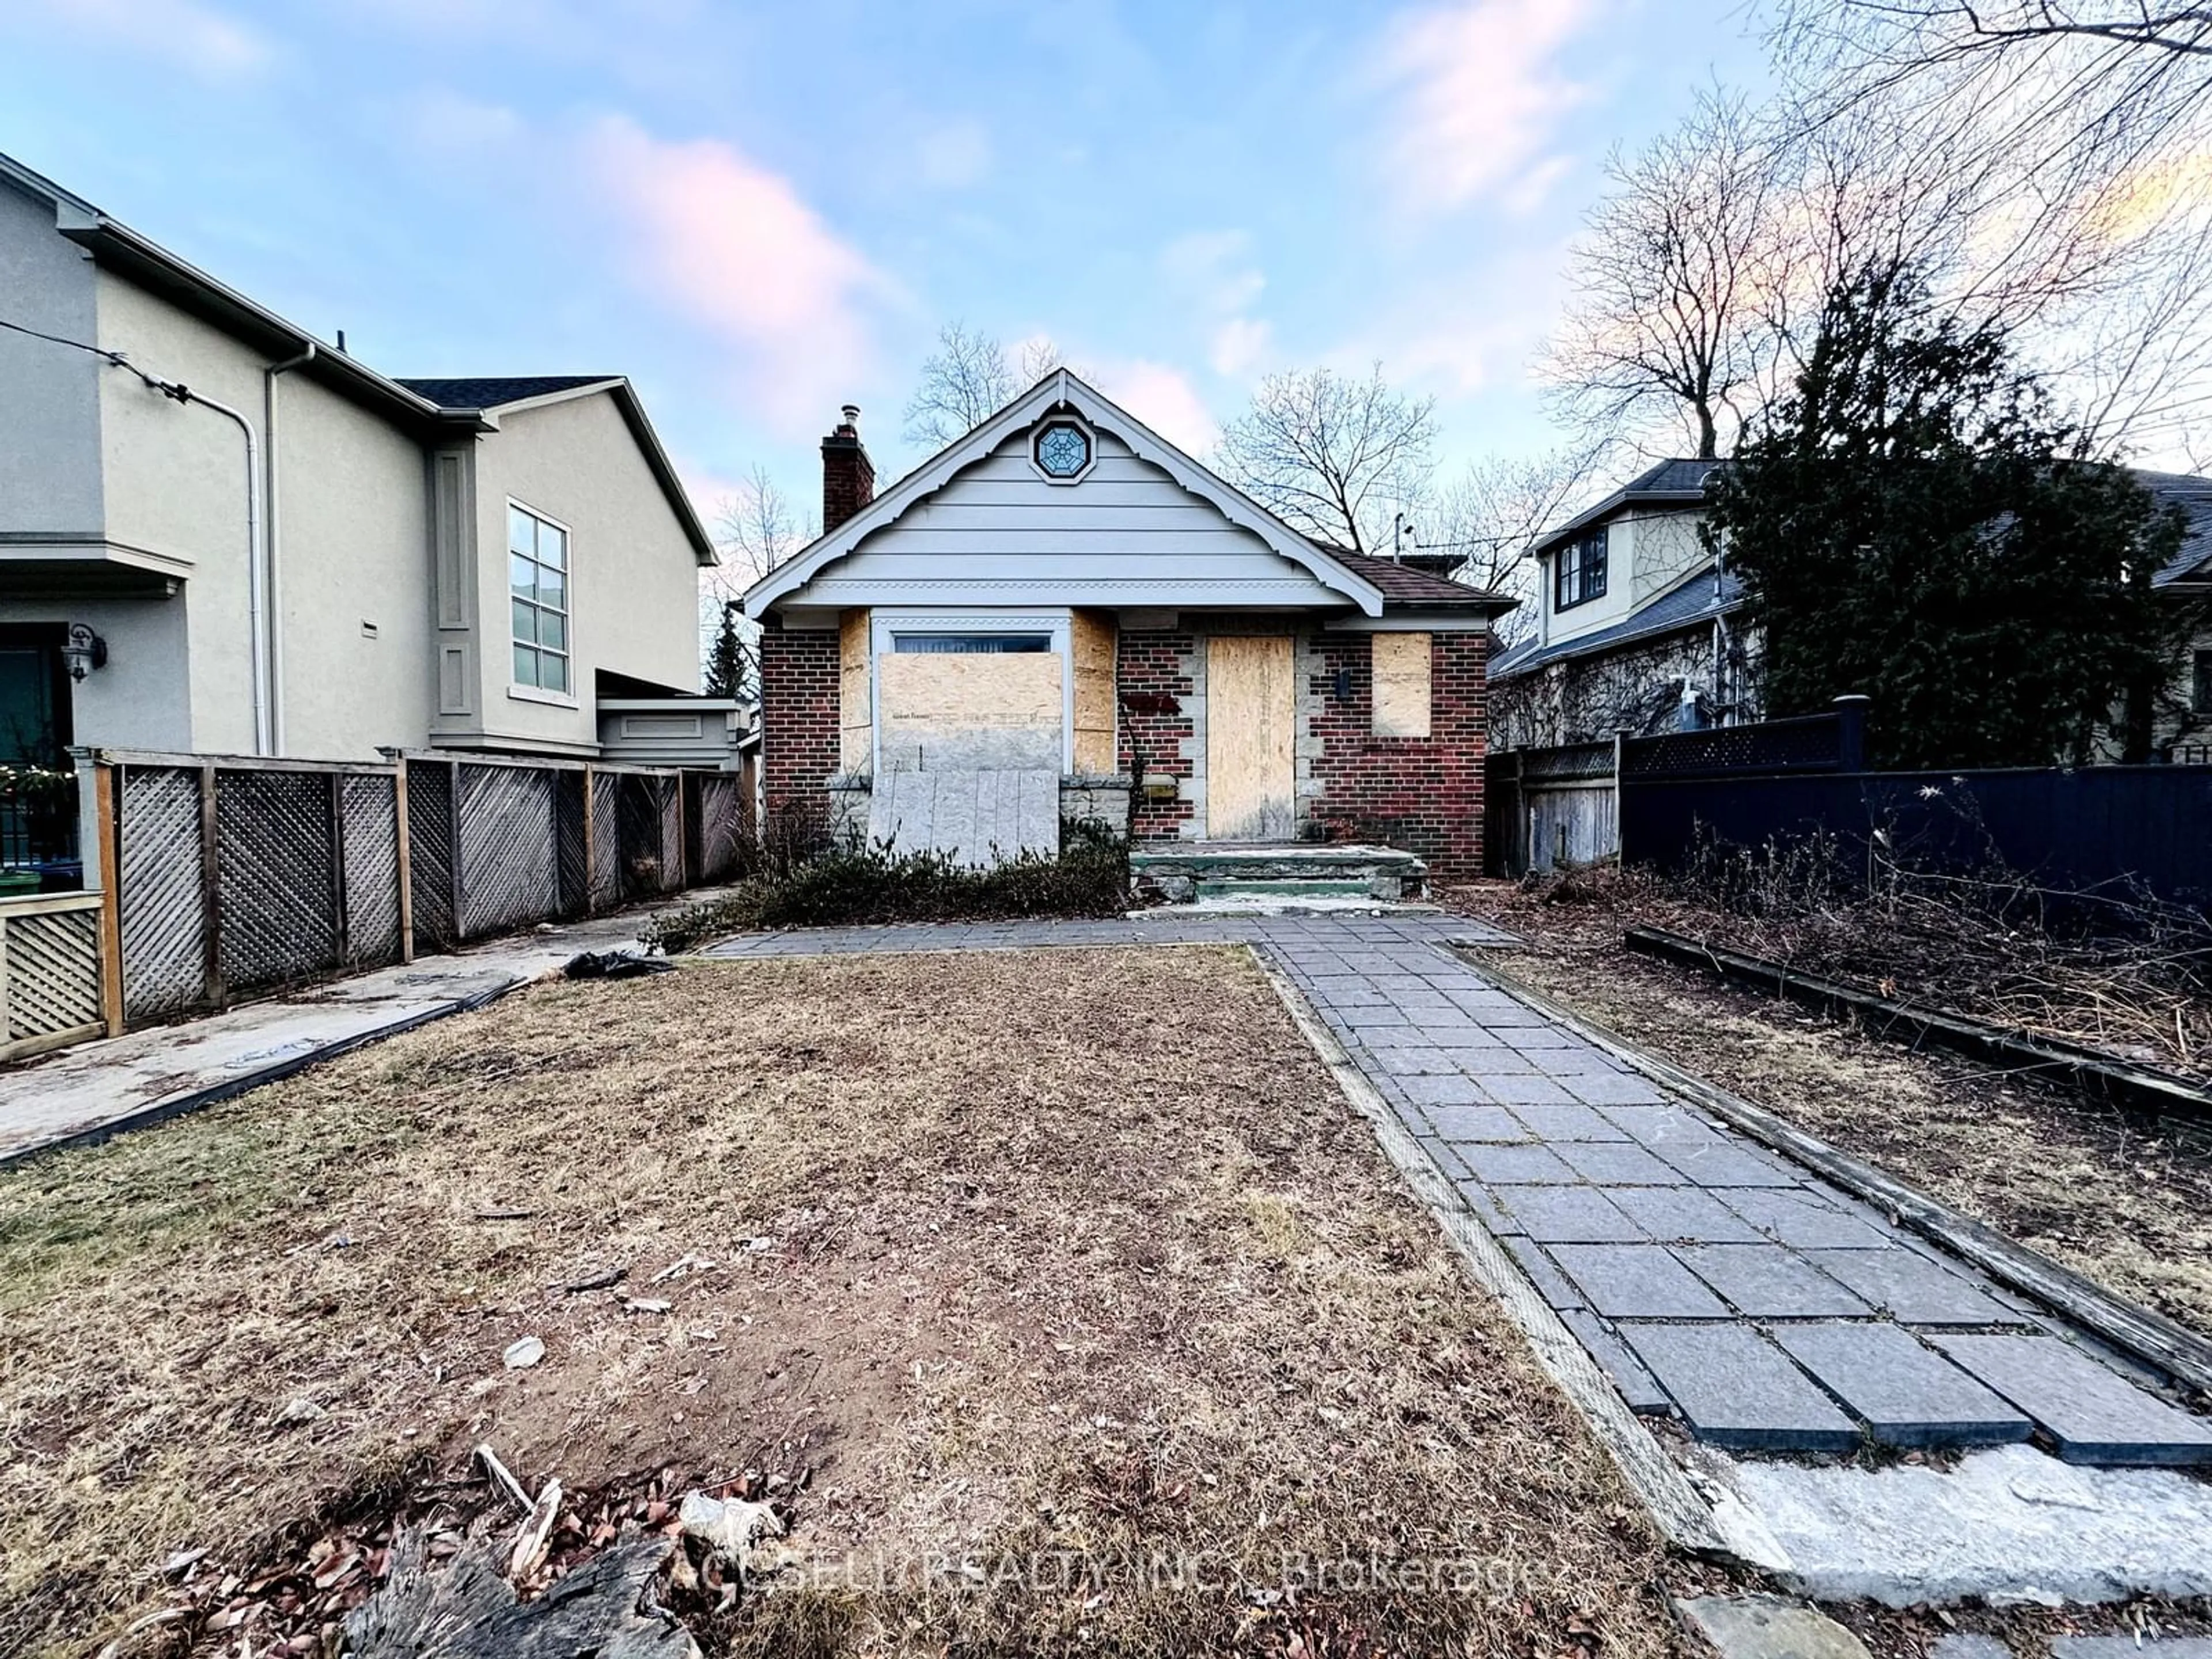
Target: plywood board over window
[(855, 718), (1092, 639), (1401, 685), (987, 711), (1250, 719)]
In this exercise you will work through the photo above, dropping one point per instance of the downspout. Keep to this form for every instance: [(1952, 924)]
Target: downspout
[(273, 634)]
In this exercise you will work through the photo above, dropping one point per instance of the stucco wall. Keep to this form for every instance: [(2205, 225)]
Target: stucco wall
[(50, 435), (634, 579), (353, 549), (351, 545), (142, 698), (176, 485)]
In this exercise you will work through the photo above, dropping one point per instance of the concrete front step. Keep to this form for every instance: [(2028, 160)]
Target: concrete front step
[(1289, 871), (1284, 890)]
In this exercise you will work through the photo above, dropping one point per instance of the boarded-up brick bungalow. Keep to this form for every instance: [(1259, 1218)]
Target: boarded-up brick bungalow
[(1063, 590)]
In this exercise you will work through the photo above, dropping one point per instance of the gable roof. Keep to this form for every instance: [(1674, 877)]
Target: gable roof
[(1676, 482), (1698, 598), (1349, 576), (484, 398), (496, 391)]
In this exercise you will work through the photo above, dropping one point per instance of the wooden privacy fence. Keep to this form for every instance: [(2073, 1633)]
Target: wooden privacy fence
[(234, 877)]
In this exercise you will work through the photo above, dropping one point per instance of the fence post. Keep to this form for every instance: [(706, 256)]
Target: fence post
[(212, 988), (1851, 732), (591, 841), (1620, 787), (404, 860), (453, 863), (99, 849), (341, 919)]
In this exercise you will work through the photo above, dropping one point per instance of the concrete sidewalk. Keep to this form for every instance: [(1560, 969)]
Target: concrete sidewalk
[(98, 1089)]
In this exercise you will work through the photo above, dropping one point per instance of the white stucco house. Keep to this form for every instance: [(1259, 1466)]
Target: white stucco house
[(219, 534)]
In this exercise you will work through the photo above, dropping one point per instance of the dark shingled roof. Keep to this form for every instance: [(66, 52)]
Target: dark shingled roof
[(1698, 599), (1676, 481), (494, 391), (2193, 495), (1402, 584)]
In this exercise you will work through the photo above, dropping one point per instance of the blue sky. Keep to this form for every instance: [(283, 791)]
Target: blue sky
[(759, 211)]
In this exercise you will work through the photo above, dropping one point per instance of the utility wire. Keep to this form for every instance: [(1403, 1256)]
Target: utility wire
[(56, 339), (154, 382)]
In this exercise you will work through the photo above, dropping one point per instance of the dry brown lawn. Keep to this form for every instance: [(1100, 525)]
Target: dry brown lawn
[(2126, 1205), (1034, 1278)]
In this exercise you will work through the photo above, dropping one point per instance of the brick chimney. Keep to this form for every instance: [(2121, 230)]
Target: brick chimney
[(849, 477)]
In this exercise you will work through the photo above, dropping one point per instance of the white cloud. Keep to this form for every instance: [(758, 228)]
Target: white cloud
[(1214, 268), (1164, 399), (209, 42), (444, 123), (1479, 95), (955, 155), (1239, 346), (1213, 277), (721, 240)]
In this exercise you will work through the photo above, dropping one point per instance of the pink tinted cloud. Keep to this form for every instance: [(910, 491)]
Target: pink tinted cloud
[(1164, 399), (1479, 95), (723, 242)]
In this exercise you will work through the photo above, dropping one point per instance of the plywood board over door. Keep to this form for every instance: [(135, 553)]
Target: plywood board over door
[(1251, 714)]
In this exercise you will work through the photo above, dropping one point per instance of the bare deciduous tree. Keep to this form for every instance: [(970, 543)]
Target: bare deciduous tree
[(2070, 133), (759, 531), (1676, 279), (1334, 457), (969, 379), (1493, 512)]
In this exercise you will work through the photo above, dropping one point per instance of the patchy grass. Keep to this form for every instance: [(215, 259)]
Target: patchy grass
[(2128, 1206), (1069, 1299)]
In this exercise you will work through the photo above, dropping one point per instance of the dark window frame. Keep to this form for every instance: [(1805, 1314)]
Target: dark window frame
[(2201, 702), (1579, 568)]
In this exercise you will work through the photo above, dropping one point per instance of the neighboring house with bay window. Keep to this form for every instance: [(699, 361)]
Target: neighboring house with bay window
[(1061, 602), (219, 534)]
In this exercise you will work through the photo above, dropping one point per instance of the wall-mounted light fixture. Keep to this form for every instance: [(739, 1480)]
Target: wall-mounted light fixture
[(84, 652)]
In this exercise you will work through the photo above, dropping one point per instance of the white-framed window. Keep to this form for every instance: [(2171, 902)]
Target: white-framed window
[(538, 598)]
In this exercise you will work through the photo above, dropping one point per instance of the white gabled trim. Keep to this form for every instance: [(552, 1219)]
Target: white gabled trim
[(1060, 389)]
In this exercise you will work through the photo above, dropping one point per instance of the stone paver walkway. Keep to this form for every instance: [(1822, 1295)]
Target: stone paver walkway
[(1712, 1279)]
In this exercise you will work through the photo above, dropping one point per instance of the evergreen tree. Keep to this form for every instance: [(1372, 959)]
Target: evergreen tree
[(729, 659), (1914, 524)]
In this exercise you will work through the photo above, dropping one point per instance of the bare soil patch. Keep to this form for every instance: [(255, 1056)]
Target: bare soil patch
[(1018, 1281), (2127, 1205)]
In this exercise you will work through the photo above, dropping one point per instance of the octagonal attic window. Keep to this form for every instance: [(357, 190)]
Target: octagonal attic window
[(1063, 451)]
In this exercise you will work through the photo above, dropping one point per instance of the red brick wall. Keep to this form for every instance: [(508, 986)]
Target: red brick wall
[(849, 477), (1423, 795), (799, 716), (1153, 681)]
